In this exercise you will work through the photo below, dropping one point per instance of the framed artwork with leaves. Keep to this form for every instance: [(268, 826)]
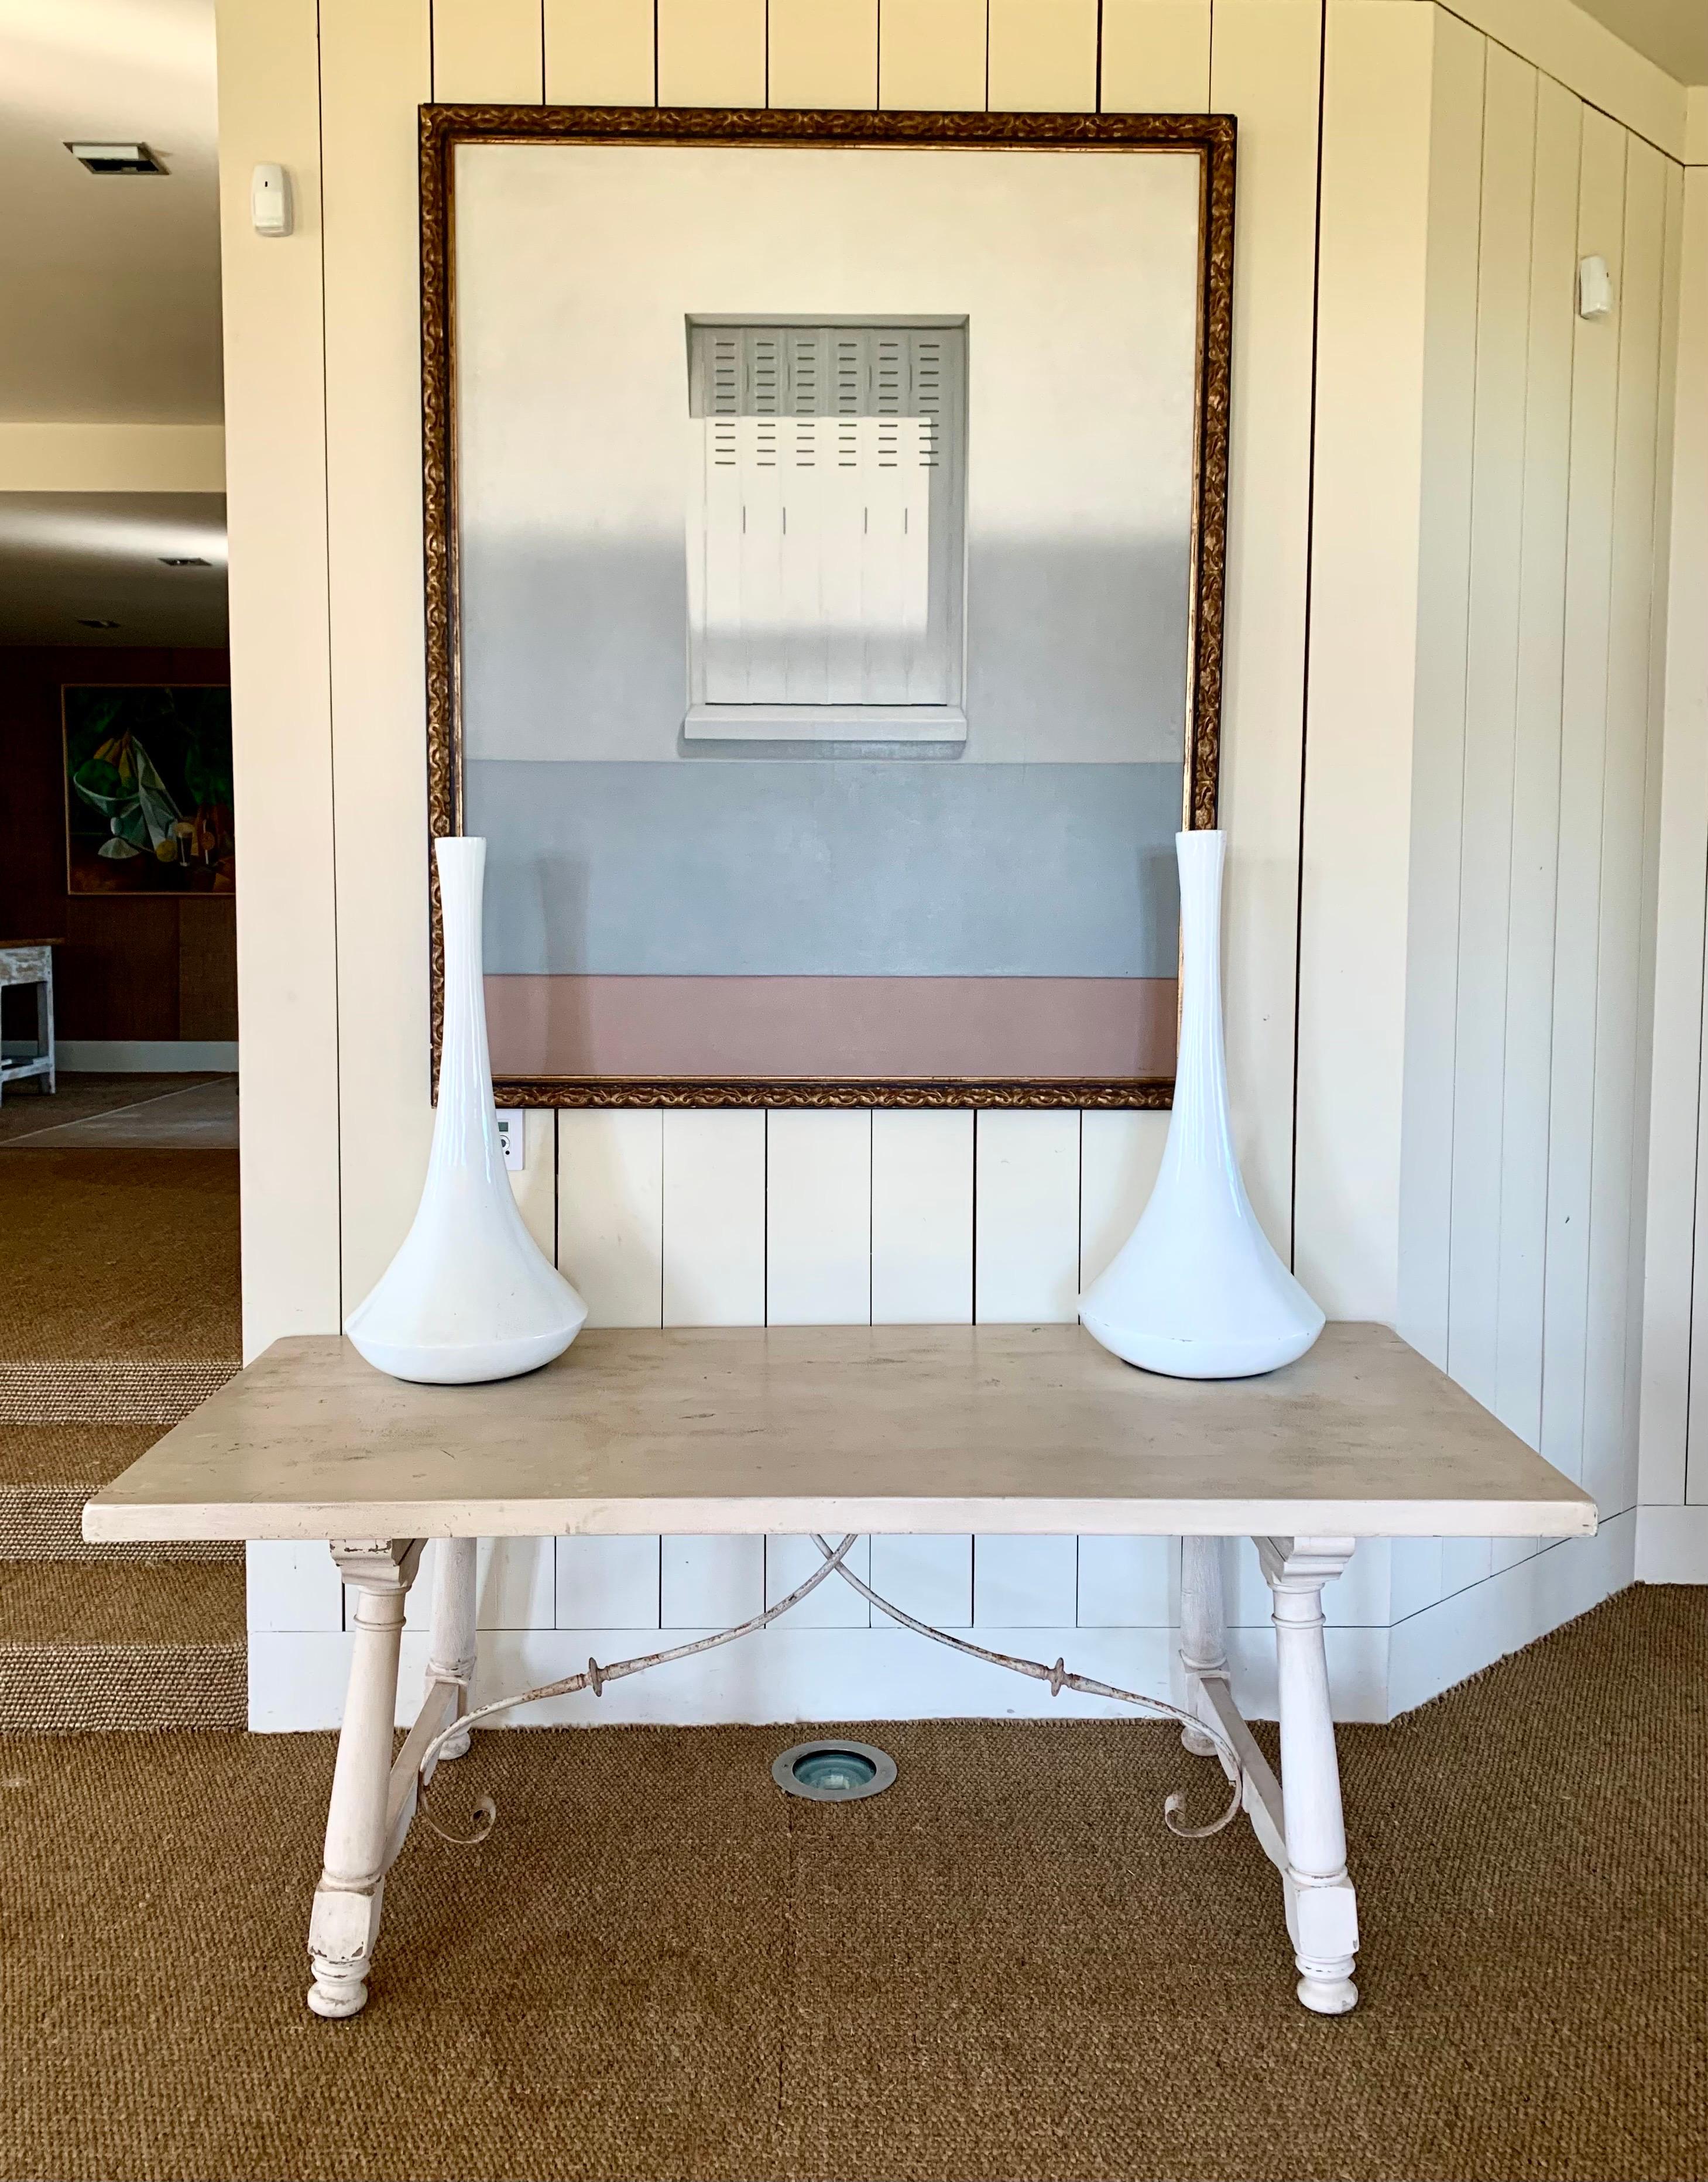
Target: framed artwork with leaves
[(148, 790)]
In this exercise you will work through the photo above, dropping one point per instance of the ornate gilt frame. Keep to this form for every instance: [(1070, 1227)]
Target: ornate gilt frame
[(442, 128)]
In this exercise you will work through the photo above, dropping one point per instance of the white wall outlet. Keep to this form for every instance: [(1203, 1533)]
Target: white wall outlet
[(510, 1120)]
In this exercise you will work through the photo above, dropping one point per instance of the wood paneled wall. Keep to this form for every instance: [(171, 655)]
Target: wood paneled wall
[(685, 1217), (136, 968)]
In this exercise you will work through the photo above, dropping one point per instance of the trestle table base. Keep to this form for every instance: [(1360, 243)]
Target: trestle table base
[(374, 1797)]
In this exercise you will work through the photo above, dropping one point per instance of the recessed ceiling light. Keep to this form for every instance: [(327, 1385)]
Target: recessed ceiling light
[(117, 158), (82, 623), (183, 560)]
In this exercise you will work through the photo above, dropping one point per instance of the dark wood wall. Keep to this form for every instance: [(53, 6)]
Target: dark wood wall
[(131, 967)]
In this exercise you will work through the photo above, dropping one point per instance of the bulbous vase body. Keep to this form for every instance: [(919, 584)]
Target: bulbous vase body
[(468, 1297), (1196, 1291)]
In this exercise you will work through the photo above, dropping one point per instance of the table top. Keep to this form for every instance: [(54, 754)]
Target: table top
[(893, 1428)]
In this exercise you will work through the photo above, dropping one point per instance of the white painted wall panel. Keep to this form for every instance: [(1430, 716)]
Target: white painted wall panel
[(487, 52), (514, 1585), (929, 1577), (1129, 1583), (1155, 56), (789, 1561), (818, 1218), (1025, 1582), (921, 1218), (598, 52), (932, 54), (1026, 1220), (1508, 151), (607, 1583), (610, 1211), (292, 1585), (1043, 56), (1120, 1155), (711, 1583), (1583, 755), (714, 1217)]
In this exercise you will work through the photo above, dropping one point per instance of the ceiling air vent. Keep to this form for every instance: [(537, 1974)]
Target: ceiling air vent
[(183, 560), (83, 623), (117, 158)]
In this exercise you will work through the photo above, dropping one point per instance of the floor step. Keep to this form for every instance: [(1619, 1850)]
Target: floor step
[(48, 1471), (121, 1645)]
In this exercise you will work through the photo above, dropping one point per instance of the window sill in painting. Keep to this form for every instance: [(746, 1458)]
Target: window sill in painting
[(826, 723)]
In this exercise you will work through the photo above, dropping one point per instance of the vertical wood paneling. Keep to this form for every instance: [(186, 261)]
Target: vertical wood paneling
[(1508, 151), (607, 1583), (487, 52), (534, 1184), (930, 1577), (714, 1218), (823, 53), (1026, 1223), (1265, 67), (711, 1583), (711, 52), (610, 1211), (1043, 56), (1025, 1582), (931, 55), (1675, 1391), (1610, 1447), (1523, 1181), (275, 481), (513, 1586), (1120, 1155), (375, 71), (1129, 1583), (1426, 1181), (1155, 57), (291, 1585), (921, 1218), (818, 1218), (1582, 753), (598, 52), (789, 1561)]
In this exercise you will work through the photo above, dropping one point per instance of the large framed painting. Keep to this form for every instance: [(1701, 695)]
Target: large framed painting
[(148, 789), (825, 543)]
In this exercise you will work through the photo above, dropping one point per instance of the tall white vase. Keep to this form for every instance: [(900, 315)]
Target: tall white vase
[(1196, 1290), (468, 1296)]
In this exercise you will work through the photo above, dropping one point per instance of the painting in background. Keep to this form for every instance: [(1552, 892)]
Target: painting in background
[(148, 790), (835, 655)]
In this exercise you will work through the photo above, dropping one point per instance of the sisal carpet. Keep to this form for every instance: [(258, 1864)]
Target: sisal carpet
[(659, 1967), (25, 1112)]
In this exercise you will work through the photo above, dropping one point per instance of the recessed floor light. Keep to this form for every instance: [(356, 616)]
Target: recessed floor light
[(833, 1772), (116, 158)]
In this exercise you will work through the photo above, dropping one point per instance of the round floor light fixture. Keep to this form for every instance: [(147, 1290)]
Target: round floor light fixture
[(833, 1772)]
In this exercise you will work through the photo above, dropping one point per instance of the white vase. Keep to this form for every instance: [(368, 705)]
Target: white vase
[(1196, 1290), (468, 1297)]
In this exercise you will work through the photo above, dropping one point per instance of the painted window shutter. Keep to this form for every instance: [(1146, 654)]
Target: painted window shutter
[(827, 567)]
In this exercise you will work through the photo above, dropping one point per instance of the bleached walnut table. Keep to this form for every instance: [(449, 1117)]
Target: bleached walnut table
[(840, 1430)]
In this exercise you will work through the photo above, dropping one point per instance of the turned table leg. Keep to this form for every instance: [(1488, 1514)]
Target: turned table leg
[(1322, 1910), (346, 1921), (452, 1658), (1203, 1638)]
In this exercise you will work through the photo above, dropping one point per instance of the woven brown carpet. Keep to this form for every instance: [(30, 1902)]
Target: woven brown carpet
[(660, 1967)]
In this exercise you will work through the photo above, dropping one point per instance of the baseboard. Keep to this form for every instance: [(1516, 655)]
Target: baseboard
[(1443, 1644), (1672, 1545), (146, 1056)]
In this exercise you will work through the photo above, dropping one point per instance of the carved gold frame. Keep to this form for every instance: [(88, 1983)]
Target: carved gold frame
[(443, 129)]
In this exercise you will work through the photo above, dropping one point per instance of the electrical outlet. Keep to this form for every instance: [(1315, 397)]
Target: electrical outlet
[(509, 1135)]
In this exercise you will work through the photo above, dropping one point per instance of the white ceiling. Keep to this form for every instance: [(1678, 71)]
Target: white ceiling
[(1672, 33), (112, 281), (70, 556)]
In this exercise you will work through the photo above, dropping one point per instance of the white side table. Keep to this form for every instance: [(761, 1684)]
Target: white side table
[(31, 965)]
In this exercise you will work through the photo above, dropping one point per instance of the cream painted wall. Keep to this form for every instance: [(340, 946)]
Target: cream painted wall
[(1355, 360)]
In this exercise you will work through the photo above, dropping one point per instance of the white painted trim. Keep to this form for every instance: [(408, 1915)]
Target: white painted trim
[(112, 458), (148, 1056), (1696, 126), (1465, 1633), (1672, 1545)]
